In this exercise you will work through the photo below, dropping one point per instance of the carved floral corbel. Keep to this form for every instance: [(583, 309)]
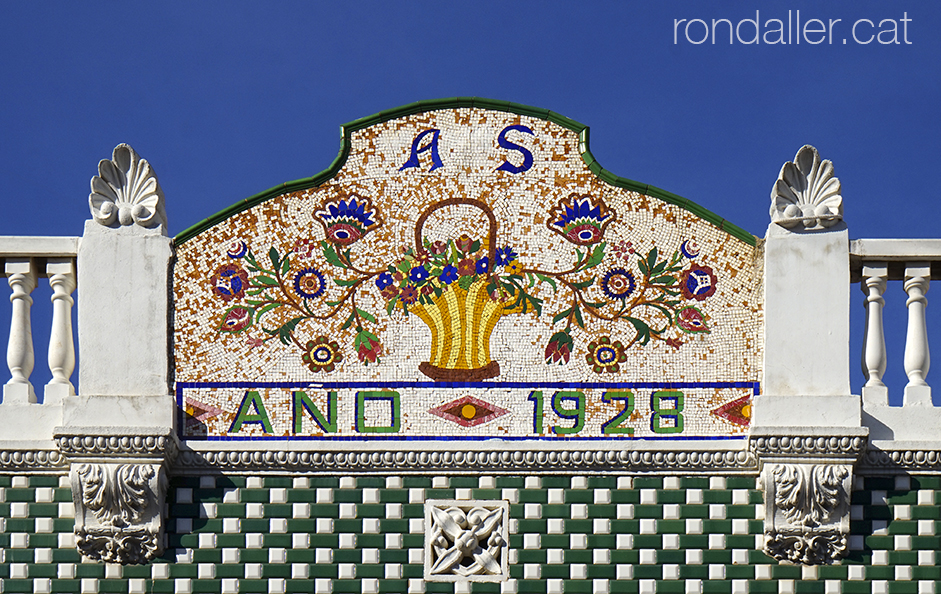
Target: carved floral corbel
[(118, 511), (807, 511)]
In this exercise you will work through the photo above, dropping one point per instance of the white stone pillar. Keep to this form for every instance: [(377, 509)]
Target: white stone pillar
[(20, 358), (123, 311), (806, 380), (873, 285), (917, 357), (61, 273)]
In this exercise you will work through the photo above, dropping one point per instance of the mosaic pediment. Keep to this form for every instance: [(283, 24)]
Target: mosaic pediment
[(465, 274)]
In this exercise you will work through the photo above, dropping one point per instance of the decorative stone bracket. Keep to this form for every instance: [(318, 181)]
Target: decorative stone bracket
[(119, 488), (807, 478)]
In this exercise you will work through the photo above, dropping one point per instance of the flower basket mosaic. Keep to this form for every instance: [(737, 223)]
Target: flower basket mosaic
[(464, 273)]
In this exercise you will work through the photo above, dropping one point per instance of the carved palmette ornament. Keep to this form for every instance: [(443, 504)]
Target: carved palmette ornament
[(118, 511), (466, 540), (807, 512), (807, 192), (126, 191)]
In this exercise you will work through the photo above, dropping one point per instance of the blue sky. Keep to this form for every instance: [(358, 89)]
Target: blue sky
[(226, 99)]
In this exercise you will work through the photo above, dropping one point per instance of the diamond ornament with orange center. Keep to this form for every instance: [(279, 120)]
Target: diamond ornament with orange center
[(468, 411)]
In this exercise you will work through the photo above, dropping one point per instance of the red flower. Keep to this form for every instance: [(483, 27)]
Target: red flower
[(559, 349), (408, 295), (464, 243), (367, 347), (467, 267)]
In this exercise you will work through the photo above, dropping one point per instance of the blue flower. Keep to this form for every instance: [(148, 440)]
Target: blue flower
[(448, 274), (384, 280), (309, 283), (505, 255), (418, 274), (483, 265)]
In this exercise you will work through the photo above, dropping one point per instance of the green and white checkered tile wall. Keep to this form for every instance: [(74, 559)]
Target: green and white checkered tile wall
[(594, 534)]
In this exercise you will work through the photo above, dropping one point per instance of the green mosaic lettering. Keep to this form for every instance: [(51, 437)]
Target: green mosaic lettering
[(303, 401), (251, 401), (536, 398), (615, 425), (577, 413), (396, 412), (672, 414)]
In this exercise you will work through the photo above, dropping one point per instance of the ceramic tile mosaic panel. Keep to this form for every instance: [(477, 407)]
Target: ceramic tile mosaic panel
[(465, 275), (581, 534)]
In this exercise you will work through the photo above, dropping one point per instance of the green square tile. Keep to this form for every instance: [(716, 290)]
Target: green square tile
[(300, 555), (648, 482), (532, 587), (531, 555), (785, 572), (66, 586), (575, 556), (717, 526), (579, 496), (903, 527), (485, 588), (510, 482), (740, 482), (557, 482), (625, 496), (671, 587), (227, 510), (857, 587), (648, 572), (926, 542), (926, 512), (717, 587), (880, 572), (694, 541), (207, 556), (347, 556), (247, 556), (487, 494), (648, 511), (902, 497), (903, 587), (832, 572), (671, 526), (926, 482), (254, 496), (602, 572), (671, 556), (740, 512), (671, 496), (622, 587), (765, 587), (602, 541), (694, 572), (371, 482), (809, 587), (625, 556), (556, 511), (713, 497), (926, 572), (717, 557), (648, 541), (694, 511), (393, 496)]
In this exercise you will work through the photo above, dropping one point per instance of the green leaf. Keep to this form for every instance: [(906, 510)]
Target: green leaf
[(652, 258), (254, 292), (267, 308), (466, 281), (643, 330), (274, 257), (331, 255), (391, 305), (658, 268), (404, 266), (529, 277), (366, 315), (349, 322), (561, 316), (264, 280), (346, 283), (584, 284), (665, 279), (474, 247), (285, 331), (578, 317), (547, 279), (642, 265), (596, 256), (596, 305), (285, 265)]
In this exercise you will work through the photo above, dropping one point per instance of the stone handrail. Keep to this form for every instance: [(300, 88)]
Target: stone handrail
[(24, 261), (873, 262)]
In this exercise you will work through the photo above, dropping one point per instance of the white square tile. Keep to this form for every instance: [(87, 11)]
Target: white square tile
[(346, 571), (579, 511), (371, 496), (602, 496), (740, 496), (324, 495), (648, 526), (416, 556), (601, 556), (370, 525), (671, 511), (671, 571), (648, 496), (648, 557), (531, 571), (694, 556), (347, 510), (254, 541), (553, 586), (578, 541), (300, 571), (578, 571), (556, 496), (694, 496), (230, 555), (278, 495), (394, 511), (624, 572), (371, 556), (716, 541), (601, 525), (625, 541), (324, 526), (671, 541), (253, 571), (531, 541), (625, 511), (370, 585), (323, 555), (231, 525), (532, 511), (393, 541), (694, 526), (555, 526), (300, 540), (555, 556), (717, 572), (278, 526), (394, 482), (600, 586)]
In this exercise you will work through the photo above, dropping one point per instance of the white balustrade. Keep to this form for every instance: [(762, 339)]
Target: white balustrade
[(24, 260), (917, 357), (873, 285), (874, 262), (61, 273), (21, 274)]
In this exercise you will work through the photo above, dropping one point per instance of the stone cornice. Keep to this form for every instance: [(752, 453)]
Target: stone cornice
[(671, 461)]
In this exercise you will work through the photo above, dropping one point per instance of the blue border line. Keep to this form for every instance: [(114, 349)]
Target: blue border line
[(181, 411)]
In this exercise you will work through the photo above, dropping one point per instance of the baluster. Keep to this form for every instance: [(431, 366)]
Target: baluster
[(917, 358), (61, 273), (22, 279), (874, 354)]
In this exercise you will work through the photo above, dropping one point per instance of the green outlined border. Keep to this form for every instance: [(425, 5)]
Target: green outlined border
[(467, 102)]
